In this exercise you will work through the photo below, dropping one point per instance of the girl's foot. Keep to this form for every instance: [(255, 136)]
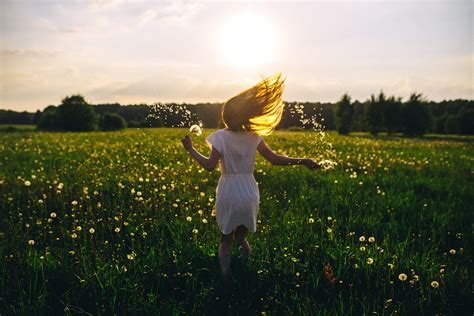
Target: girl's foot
[(224, 262), (244, 251)]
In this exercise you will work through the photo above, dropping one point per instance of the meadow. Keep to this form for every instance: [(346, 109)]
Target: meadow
[(122, 223)]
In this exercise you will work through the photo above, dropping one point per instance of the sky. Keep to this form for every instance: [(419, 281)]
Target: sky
[(148, 51)]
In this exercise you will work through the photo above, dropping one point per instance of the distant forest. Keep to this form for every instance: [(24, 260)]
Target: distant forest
[(451, 117)]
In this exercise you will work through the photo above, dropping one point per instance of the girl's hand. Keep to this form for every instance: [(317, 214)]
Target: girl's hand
[(310, 163), (187, 143)]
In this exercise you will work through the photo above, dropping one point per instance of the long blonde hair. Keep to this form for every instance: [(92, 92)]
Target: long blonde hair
[(257, 109)]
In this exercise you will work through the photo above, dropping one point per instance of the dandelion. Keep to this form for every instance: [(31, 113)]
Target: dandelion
[(91, 230), (195, 231), (370, 260), (196, 130), (390, 266), (310, 220), (74, 236), (202, 194), (204, 221), (78, 228), (131, 256), (74, 202), (371, 239), (435, 284), (402, 277), (189, 218), (362, 238), (117, 230), (27, 183), (139, 193), (31, 242), (362, 248), (329, 230), (53, 215), (452, 251)]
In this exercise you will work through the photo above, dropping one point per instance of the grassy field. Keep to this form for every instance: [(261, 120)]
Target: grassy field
[(16, 127), (122, 222)]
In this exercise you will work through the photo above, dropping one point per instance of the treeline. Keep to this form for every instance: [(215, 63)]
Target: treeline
[(381, 113), (413, 117)]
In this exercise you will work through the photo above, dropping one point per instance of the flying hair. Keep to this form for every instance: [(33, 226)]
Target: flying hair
[(257, 109)]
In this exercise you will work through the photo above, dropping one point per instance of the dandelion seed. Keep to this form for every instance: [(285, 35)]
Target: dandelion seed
[(196, 130), (27, 183), (402, 277), (31, 242), (435, 284)]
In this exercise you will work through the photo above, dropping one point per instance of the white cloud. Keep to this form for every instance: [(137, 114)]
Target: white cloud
[(169, 10)]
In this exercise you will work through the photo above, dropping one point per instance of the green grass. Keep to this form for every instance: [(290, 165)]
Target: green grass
[(414, 197), (22, 127)]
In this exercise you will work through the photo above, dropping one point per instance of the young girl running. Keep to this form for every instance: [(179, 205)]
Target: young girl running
[(247, 116)]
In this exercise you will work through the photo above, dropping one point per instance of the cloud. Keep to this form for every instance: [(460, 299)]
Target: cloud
[(170, 9), (30, 53), (103, 4)]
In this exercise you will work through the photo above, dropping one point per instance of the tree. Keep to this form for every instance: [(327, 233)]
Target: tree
[(466, 121), (375, 113), (112, 122), (75, 114), (439, 124), (392, 114), (344, 114), (416, 118), (48, 119), (451, 125)]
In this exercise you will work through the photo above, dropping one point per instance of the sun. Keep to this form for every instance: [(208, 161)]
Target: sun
[(247, 40)]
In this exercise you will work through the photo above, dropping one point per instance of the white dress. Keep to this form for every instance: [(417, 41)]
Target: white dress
[(237, 195)]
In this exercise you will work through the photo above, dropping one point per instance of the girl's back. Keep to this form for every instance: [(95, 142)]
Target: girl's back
[(238, 150)]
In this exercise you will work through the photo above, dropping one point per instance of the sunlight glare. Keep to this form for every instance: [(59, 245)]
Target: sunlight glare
[(247, 40)]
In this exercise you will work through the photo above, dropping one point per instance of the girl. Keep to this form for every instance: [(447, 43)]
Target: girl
[(247, 116)]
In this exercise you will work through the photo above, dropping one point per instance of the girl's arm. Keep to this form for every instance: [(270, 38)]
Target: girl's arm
[(280, 160), (208, 163)]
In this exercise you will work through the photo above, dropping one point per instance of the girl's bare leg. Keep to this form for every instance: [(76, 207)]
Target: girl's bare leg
[(225, 251), (240, 237)]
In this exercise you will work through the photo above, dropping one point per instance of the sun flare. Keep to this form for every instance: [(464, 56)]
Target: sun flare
[(247, 40)]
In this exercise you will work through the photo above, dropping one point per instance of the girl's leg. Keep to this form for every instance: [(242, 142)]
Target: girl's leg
[(240, 237), (225, 251)]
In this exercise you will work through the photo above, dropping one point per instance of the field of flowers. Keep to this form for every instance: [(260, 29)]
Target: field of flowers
[(122, 223)]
